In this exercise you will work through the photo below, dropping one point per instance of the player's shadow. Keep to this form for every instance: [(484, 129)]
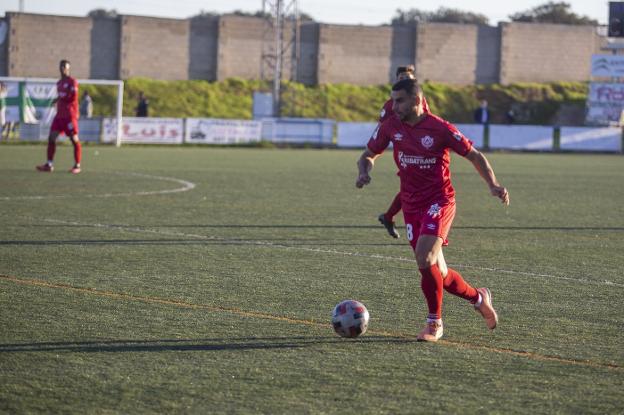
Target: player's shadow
[(194, 241), (376, 226), (338, 226), (193, 345)]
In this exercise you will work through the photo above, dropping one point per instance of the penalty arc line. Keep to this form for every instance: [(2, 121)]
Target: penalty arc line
[(267, 316), (328, 251), (186, 186)]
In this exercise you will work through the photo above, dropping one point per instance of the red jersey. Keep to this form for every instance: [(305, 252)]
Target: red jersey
[(386, 110), (67, 103), (421, 152)]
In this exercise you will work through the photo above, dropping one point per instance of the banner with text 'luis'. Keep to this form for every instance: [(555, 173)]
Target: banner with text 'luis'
[(142, 130)]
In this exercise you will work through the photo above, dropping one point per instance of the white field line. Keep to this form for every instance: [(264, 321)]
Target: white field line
[(186, 186), (527, 274)]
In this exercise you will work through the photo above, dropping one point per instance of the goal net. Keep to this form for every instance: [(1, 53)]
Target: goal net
[(29, 106)]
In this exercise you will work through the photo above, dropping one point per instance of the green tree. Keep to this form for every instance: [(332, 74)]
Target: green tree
[(442, 15), (552, 13)]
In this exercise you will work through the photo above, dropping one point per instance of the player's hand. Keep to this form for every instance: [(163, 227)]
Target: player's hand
[(501, 193), (362, 180)]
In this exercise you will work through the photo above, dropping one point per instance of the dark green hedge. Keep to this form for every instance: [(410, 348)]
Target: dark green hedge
[(549, 103)]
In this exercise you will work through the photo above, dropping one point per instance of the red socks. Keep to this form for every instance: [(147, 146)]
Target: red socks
[(394, 208), (51, 150), (431, 284), (455, 284), (77, 151)]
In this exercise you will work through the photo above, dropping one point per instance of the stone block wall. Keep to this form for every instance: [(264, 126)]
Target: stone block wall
[(359, 55), (221, 47), (546, 52), (105, 40), (203, 46), (154, 48), (38, 42), (456, 53)]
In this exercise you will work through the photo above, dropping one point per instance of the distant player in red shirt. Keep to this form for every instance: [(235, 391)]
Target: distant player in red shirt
[(421, 152), (387, 218), (66, 119)]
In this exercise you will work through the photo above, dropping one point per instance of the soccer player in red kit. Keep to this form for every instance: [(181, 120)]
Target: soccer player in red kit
[(66, 119), (421, 152), (387, 218)]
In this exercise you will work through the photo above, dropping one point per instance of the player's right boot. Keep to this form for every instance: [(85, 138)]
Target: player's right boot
[(45, 168), (389, 225), (486, 309), (432, 332), (75, 169)]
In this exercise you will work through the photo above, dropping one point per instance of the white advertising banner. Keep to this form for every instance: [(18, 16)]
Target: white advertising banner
[(355, 134), (473, 132), (604, 103), (591, 139), (521, 137), (217, 131), (607, 65), (144, 130)]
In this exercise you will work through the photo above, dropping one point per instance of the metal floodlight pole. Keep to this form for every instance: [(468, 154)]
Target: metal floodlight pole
[(277, 73), (274, 55)]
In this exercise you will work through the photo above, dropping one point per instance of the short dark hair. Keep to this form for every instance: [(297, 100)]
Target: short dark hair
[(64, 62), (410, 86), (405, 69)]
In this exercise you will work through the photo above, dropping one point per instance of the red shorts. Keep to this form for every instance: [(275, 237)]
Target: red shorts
[(67, 126), (434, 220)]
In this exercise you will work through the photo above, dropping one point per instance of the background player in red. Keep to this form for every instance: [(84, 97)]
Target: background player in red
[(421, 152), (387, 218), (66, 119)]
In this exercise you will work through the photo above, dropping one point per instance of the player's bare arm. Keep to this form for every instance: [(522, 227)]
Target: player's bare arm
[(482, 165), (365, 164)]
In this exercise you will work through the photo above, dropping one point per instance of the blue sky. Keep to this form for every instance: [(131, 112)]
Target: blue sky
[(368, 12)]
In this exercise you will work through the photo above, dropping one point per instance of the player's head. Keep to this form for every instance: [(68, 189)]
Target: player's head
[(405, 72), (64, 67), (407, 98)]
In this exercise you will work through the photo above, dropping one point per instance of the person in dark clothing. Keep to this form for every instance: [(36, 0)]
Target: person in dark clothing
[(142, 109), (482, 114)]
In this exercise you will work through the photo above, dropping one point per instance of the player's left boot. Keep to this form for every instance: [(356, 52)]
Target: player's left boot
[(389, 225), (45, 168), (75, 169), (432, 332), (486, 309)]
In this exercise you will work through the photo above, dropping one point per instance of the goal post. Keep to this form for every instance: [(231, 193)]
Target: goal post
[(29, 100)]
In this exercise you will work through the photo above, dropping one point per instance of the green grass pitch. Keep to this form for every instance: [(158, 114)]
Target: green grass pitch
[(201, 280)]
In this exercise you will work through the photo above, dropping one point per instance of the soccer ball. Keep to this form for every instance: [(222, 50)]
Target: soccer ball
[(350, 318)]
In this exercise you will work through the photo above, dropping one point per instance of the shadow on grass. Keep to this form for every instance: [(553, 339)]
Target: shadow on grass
[(190, 345), (253, 242), (237, 226)]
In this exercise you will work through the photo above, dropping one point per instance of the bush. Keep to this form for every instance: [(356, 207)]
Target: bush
[(532, 103)]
